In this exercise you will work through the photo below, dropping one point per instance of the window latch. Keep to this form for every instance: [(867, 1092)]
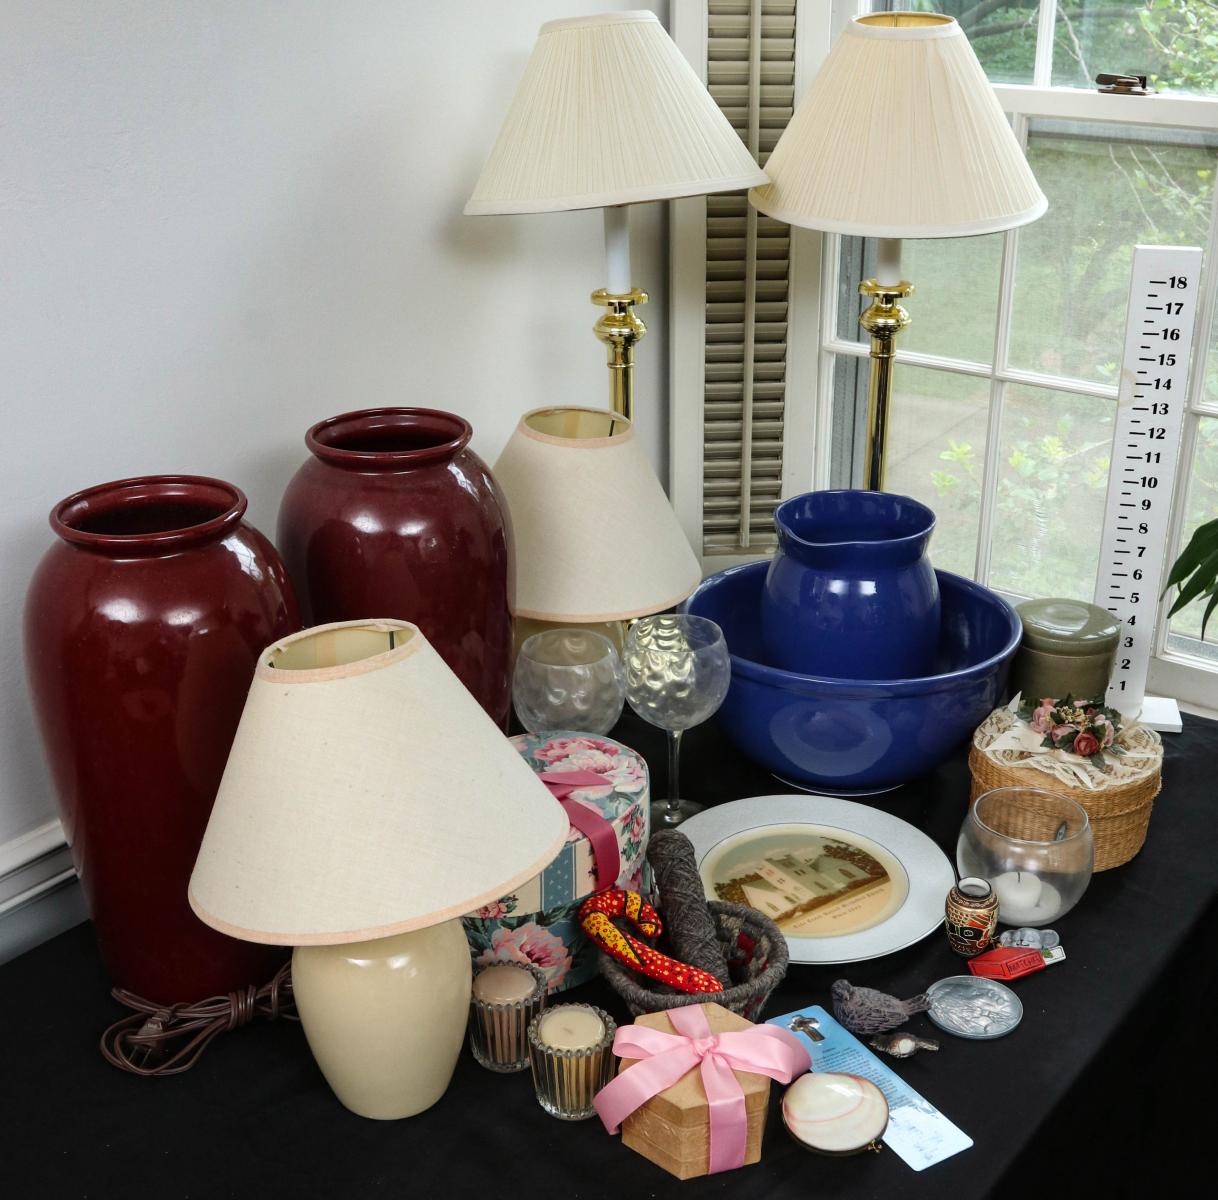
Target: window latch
[(1123, 85)]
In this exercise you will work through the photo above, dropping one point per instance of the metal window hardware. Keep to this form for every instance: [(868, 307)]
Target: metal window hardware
[(1124, 85)]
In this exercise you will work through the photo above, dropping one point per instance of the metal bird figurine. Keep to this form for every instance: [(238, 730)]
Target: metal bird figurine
[(864, 1010)]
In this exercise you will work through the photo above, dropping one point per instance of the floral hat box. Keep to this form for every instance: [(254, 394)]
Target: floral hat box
[(538, 923)]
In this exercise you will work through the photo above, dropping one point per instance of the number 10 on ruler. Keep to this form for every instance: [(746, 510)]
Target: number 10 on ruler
[(1150, 408)]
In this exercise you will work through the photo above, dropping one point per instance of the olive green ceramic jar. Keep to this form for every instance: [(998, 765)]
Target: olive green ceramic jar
[(1068, 648)]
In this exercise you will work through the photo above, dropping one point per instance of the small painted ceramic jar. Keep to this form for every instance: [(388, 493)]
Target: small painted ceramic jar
[(1067, 649), (971, 916)]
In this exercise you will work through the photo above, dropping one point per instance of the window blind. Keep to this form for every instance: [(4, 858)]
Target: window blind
[(751, 75)]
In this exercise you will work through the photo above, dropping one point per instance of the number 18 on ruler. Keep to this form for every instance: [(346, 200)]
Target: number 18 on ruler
[(1150, 407)]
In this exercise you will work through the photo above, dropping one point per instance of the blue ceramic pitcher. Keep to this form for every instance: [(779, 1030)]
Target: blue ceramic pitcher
[(851, 593)]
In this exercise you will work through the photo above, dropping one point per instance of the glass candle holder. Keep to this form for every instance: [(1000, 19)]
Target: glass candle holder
[(1034, 848), (501, 1011), (571, 1051)]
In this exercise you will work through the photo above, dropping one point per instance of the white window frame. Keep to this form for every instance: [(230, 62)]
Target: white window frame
[(812, 319)]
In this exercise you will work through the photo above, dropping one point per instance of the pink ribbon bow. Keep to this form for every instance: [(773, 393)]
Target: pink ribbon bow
[(588, 820), (665, 1057)]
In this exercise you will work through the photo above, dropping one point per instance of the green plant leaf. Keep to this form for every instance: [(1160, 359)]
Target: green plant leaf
[(1202, 581), (1209, 608), (1203, 543)]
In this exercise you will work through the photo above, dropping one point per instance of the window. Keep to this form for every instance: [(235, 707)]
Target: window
[(1006, 381)]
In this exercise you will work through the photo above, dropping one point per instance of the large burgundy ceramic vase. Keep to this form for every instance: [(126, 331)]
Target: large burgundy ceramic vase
[(142, 626), (395, 516)]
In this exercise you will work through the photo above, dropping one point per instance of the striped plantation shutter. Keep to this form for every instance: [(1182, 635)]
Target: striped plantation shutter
[(751, 75)]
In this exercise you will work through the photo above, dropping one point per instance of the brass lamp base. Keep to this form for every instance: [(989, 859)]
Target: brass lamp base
[(620, 329), (883, 319)]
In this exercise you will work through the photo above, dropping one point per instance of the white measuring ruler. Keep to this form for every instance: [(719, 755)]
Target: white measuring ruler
[(1151, 403)]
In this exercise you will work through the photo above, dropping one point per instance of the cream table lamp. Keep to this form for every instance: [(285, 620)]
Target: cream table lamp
[(597, 542), (368, 802), (900, 135), (609, 113)]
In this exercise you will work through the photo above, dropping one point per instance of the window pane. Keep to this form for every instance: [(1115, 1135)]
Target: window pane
[(1108, 190), (853, 266), (1201, 506), (955, 305), (1210, 395), (1003, 35), (954, 308), (1172, 41), (1052, 479), (936, 449)]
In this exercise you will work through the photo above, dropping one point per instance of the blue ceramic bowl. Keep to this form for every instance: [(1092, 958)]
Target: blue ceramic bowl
[(852, 737)]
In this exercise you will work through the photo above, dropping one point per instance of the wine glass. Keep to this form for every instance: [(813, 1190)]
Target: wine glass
[(677, 673), (568, 679)]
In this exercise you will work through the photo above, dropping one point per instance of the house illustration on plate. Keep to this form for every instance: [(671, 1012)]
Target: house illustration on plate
[(785, 884)]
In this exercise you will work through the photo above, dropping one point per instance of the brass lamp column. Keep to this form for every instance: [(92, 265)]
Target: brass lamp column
[(883, 319), (620, 330)]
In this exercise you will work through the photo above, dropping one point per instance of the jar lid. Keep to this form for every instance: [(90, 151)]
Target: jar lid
[(1070, 627)]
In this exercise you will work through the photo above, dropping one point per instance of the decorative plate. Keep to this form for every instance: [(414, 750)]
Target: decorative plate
[(843, 881)]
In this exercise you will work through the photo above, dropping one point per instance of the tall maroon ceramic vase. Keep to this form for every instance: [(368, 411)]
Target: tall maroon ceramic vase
[(394, 516), (142, 626)]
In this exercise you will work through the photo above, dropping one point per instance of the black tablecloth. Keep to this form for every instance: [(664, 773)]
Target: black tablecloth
[(1088, 1093)]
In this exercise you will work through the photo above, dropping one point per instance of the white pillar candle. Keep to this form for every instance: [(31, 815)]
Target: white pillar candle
[(570, 1027), (503, 983), (617, 249), (888, 260), (1024, 899)]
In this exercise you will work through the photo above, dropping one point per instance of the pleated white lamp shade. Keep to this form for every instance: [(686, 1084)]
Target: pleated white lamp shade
[(366, 794), (900, 136), (609, 112), (596, 538)]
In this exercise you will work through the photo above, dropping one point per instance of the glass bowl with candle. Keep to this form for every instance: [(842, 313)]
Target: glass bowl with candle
[(1034, 847)]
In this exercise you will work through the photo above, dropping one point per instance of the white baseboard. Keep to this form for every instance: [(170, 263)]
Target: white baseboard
[(39, 894)]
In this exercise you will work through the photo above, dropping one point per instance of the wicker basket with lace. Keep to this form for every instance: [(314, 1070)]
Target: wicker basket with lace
[(1119, 809)]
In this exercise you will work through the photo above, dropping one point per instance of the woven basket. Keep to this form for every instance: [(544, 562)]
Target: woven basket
[(1119, 814), (757, 958)]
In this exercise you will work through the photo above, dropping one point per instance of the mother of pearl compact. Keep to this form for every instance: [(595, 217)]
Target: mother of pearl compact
[(835, 1114)]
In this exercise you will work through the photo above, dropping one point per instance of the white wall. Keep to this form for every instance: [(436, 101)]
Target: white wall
[(221, 221)]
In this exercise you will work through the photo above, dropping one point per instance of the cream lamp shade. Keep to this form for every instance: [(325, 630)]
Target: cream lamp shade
[(609, 112), (900, 135), (596, 538), (366, 794)]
